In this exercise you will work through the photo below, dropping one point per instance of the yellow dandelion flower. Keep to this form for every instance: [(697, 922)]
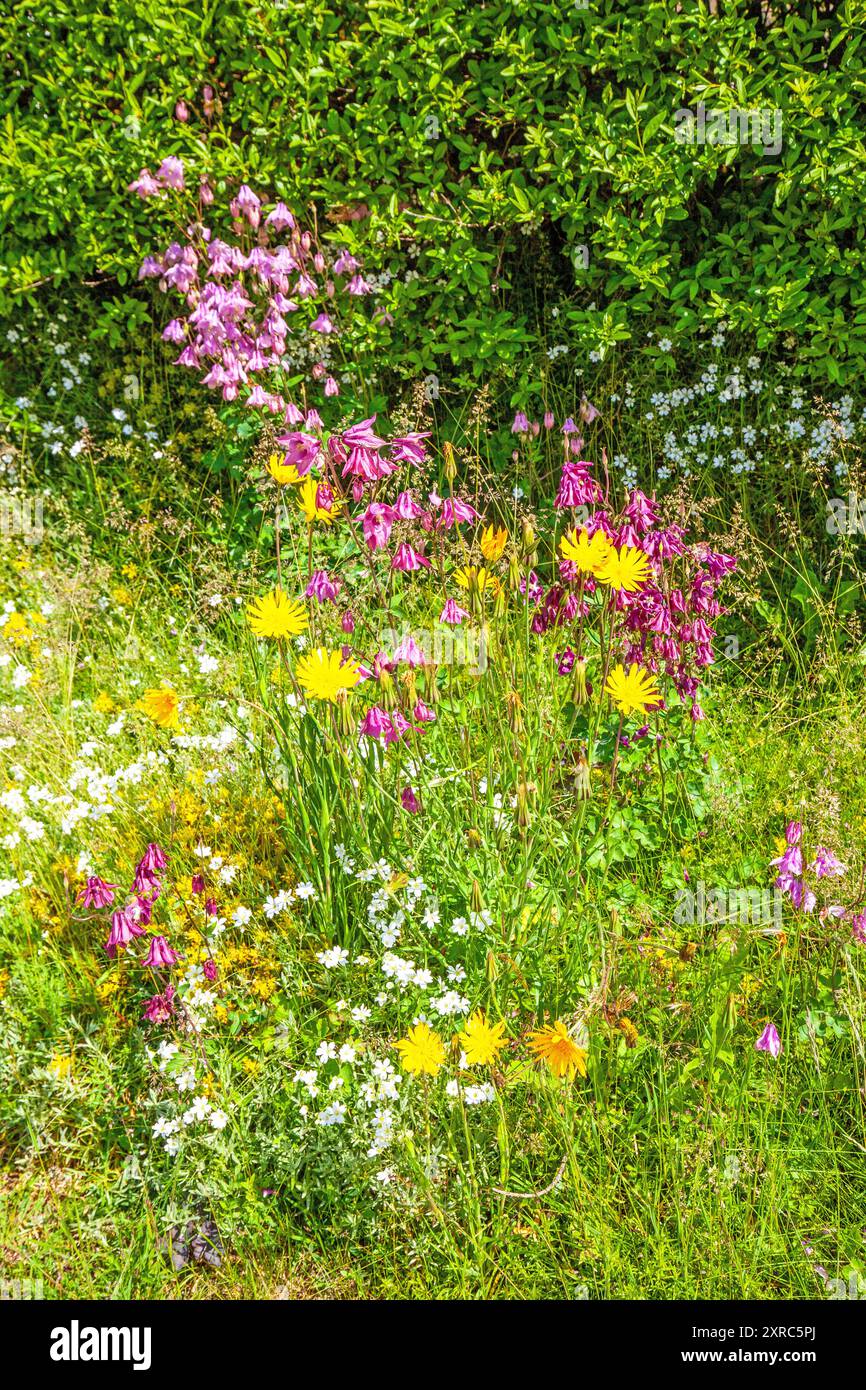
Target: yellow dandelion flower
[(162, 705), (627, 568), (16, 630), (482, 1041), (421, 1050), (632, 692), (276, 615), (554, 1045), (308, 501), (322, 674), (493, 543), (588, 553), (281, 472)]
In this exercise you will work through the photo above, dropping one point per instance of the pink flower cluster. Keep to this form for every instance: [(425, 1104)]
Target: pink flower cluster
[(242, 294), (791, 880), (665, 626), (131, 921)]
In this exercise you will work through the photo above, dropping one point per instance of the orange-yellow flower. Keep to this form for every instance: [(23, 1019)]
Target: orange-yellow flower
[(421, 1050), (493, 543), (588, 553), (322, 674), (554, 1045), (482, 1041), (627, 568), (309, 503), (633, 691), (276, 615), (162, 705), (282, 473)]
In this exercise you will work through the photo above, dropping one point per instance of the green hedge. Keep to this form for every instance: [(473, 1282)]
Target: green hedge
[(490, 142)]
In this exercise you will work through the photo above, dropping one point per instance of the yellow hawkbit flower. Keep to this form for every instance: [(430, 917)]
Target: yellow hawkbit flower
[(554, 1045), (493, 544), (61, 1066), (276, 615), (627, 568), (103, 703), (16, 630), (588, 553), (162, 705), (322, 674), (281, 472), (308, 501), (421, 1050), (482, 1041), (634, 691)]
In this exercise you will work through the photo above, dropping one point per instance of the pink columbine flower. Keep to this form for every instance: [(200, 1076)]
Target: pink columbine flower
[(408, 653), (375, 724), (145, 185), (793, 832), (347, 622), (549, 420), (322, 586), (452, 613), (769, 1041), (407, 559), (123, 928), (154, 857), (198, 883), (280, 218), (160, 954), (826, 865), (858, 927), (321, 324), (97, 893), (520, 424), (209, 970), (160, 1008), (454, 512), (377, 522), (409, 801), (170, 172)]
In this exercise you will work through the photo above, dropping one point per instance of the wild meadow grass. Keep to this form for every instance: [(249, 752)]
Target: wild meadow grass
[(433, 836)]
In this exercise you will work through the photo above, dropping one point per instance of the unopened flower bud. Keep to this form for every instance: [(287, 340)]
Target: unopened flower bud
[(450, 461)]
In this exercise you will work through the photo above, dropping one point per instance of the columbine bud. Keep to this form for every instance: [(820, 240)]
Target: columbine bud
[(530, 555), (473, 838), (578, 686), (476, 902), (514, 575), (450, 461), (431, 685), (387, 693), (514, 705), (582, 779), (345, 720), (347, 622), (500, 603)]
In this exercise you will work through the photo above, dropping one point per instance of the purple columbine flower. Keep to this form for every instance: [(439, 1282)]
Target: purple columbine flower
[(826, 865), (769, 1041), (97, 893), (409, 801), (160, 954)]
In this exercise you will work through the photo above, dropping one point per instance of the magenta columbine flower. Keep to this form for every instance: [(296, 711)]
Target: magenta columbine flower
[(826, 865), (409, 801), (123, 928), (97, 893), (858, 927), (209, 970), (407, 559), (769, 1041), (160, 954), (197, 884), (452, 613), (154, 857), (160, 1008), (793, 832)]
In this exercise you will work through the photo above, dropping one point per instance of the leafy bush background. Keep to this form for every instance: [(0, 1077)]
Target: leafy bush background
[(493, 137)]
